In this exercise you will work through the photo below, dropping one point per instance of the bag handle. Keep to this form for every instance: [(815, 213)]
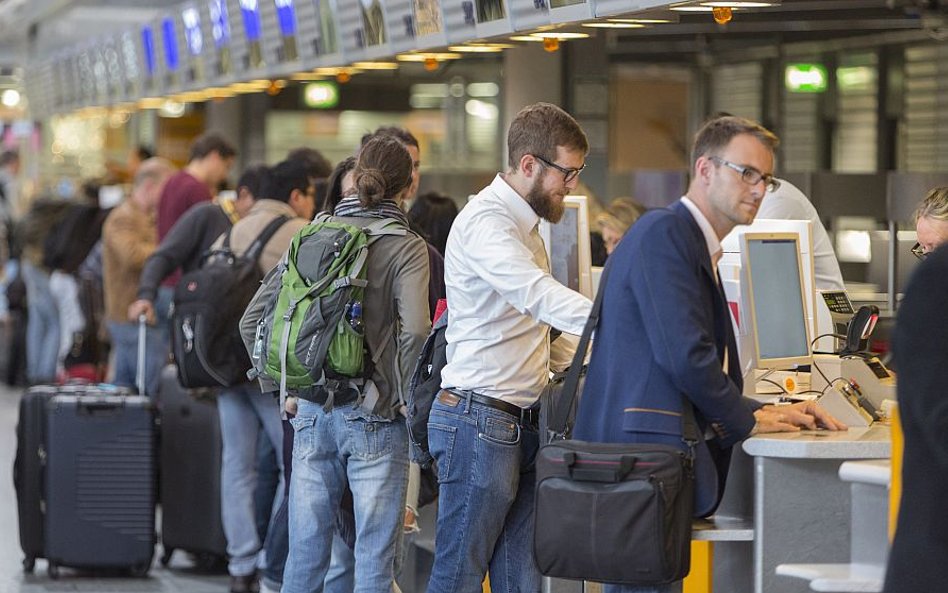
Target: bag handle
[(562, 410), (563, 404)]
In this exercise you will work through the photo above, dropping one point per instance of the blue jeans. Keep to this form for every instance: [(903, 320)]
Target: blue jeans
[(124, 337), (330, 449), (485, 507), (245, 415), (42, 326)]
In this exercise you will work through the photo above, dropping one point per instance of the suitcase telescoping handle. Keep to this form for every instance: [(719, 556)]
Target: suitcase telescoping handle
[(140, 367)]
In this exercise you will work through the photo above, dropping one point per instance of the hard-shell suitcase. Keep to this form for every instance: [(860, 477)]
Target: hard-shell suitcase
[(100, 482), (28, 472), (190, 474), (30, 466)]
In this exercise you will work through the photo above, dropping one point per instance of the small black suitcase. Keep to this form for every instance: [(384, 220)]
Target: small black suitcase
[(28, 472), (190, 474), (29, 467), (100, 482)]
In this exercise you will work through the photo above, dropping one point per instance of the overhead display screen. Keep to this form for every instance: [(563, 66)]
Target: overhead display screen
[(373, 22), (325, 42), (286, 16), (251, 13), (286, 20), (220, 26), (250, 10), (192, 30), (490, 10), (148, 47), (427, 17), (170, 43)]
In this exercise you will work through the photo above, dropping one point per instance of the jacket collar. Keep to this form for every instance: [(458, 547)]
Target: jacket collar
[(275, 207), (698, 236)]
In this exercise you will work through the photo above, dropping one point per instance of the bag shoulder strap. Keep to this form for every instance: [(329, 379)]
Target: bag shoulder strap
[(562, 404), (256, 248)]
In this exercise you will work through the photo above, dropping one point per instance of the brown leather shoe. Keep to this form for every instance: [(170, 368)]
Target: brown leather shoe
[(245, 584)]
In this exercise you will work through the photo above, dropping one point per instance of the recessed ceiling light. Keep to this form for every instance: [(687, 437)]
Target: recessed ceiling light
[(555, 35), (736, 4), (642, 21), (476, 49), (611, 25), (421, 57), (375, 65)]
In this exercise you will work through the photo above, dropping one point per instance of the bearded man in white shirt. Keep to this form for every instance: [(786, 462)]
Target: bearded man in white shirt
[(503, 301)]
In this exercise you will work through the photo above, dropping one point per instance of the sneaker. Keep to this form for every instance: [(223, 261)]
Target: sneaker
[(244, 584)]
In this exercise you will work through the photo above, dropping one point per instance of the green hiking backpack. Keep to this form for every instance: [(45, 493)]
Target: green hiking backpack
[(305, 319)]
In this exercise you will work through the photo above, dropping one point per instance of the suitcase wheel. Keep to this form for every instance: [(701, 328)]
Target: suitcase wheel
[(140, 571), (29, 563), (53, 570)]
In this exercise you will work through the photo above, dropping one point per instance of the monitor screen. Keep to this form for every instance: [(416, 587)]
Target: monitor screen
[(775, 288), (567, 245)]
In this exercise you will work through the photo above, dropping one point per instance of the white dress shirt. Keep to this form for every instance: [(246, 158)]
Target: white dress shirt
[(789, 203), (502, 299), (715, 251)]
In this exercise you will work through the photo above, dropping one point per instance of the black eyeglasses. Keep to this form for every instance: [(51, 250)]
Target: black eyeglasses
[(750, 175), (568, 174), (919, 251)]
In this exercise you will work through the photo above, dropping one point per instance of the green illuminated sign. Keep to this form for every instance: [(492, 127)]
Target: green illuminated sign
[(323, 94), (805, 78)]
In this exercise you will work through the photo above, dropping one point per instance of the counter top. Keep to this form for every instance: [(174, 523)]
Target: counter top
[(873, 442)]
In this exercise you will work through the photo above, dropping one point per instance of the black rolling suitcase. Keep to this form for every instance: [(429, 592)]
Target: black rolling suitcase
[(190, 474), (100, 482), (28, 472)]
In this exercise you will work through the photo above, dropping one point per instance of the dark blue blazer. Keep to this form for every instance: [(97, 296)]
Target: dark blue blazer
[(662, 337)]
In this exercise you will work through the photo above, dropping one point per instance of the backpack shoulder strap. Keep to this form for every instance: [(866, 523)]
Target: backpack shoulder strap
[(385, 226), (253, 252)]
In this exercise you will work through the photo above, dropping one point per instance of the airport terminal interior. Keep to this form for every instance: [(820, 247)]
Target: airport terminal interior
[(854, 89)]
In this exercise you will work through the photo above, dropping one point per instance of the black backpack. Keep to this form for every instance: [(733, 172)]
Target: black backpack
[(423, 389), (208, 304)]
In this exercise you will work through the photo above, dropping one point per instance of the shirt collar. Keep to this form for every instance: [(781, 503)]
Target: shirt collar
[(522, 212), (710, 237), (274, 206)]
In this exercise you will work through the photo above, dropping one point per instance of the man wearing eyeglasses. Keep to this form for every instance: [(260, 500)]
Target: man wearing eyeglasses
[(931, 222), (502, 302), (669, 339)]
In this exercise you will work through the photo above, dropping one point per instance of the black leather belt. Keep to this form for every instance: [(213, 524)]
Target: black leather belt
[(528, 417)]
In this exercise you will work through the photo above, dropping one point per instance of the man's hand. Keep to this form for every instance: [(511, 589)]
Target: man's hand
[(142, 307), (803, 415)]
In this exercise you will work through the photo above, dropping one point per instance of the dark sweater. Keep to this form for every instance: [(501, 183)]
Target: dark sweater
[(183, 246)]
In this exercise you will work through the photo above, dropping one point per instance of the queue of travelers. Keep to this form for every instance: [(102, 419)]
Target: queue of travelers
[(343, 493)]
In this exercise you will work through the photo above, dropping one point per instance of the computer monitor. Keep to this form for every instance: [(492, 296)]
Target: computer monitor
[(773, 273), (567, 245)]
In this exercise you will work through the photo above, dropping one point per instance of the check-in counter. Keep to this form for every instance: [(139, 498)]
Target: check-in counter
[(787, 487)]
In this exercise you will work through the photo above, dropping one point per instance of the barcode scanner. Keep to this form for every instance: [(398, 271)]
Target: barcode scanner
[(860, 328)]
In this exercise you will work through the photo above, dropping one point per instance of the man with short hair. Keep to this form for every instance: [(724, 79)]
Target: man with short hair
[(245, 412), (190, 238), (128, 238), (931, 222), (208, 165), (669, 340), (503, 301)]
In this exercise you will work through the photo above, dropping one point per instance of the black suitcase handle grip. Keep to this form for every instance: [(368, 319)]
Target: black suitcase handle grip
[(608, 471), (99, 406)]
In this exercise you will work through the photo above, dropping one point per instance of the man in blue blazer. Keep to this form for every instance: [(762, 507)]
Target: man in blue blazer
[(665, 330)]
